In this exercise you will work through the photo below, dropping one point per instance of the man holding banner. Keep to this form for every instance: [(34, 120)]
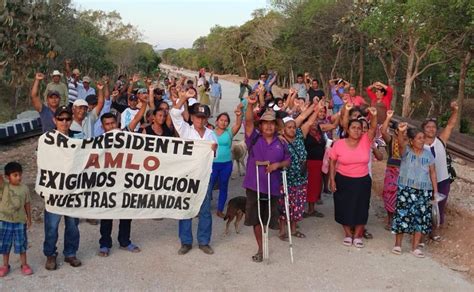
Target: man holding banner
[(197, 131), (109, 123)]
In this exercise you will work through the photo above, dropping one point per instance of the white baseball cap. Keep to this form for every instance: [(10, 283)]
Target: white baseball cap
[(80, 102)]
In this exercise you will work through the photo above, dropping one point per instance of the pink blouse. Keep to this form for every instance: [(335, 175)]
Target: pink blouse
[(352, 162)]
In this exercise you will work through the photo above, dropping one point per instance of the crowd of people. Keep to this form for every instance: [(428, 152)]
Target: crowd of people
[(325, 143)]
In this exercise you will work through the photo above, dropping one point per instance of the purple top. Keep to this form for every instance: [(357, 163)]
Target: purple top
[(276, 151)]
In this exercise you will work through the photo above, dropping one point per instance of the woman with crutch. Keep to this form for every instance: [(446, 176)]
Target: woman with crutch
[(263, 145), (294, 133)]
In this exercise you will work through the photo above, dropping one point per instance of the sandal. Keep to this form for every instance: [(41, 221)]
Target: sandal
[(418, 253), (298, 234), (104, 252), (367, 234), (436, 238), (258, 258), (420, 245), (131, 248), (283, 237), (358, 243), (397, 250), (387, 227), (347, 241), (4, 270), (26, 270)]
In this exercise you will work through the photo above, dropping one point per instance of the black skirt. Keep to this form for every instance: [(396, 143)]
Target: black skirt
[(352, 199)]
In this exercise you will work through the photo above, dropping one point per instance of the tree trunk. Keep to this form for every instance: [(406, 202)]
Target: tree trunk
[(244, 64), (336, 61), (462, 85), (17, 97), (409, 77), (361, 64)]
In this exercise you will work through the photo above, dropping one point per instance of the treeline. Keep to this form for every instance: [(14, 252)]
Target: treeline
[(423, 49), (40, 35)]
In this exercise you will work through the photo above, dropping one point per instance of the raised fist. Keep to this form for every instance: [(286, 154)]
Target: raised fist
[(454, 105), (372, 111), (100, 86), (39, 76), (390, 114), (402, 127)]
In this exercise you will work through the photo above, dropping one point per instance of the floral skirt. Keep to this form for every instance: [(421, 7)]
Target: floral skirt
[(413, 211), (390, 187), (296, 201)]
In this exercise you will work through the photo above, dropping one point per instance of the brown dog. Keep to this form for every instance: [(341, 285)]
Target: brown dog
[(235, 209), (239, 151)]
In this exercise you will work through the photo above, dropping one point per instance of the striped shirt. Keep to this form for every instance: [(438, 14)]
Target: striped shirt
[(73, 89)]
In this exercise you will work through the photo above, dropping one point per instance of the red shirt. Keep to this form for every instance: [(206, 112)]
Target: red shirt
[(386, 100), (355, 100)]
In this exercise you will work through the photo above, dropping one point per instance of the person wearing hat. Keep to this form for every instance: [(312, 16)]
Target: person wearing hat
[(263, 145), (58, 86), (196, 131), (45, 110), (85, 90), (133, 106), (62, 121), (73, 82), (84, 117)]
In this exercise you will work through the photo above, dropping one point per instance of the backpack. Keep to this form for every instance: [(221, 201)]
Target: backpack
[(449, 163)]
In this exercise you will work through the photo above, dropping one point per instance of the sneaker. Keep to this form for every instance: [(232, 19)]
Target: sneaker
[(26, 270), (206, 249), (51, 263), (185, 248), (73, 261), (4, 270)]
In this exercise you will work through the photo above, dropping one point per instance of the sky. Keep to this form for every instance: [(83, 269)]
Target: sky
[(176, 23)]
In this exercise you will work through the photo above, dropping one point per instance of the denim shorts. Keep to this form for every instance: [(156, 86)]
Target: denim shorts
[(13, 233)]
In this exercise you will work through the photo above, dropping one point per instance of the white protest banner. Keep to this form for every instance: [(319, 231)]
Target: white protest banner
[(123, 175)]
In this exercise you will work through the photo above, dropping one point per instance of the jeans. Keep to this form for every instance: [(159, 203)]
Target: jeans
[(123, 234), (221, 171), (204, 227), (71, 234), (443, 187)]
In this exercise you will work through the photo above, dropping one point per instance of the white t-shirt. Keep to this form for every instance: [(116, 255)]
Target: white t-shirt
[(86, 128), (127, 116), (441, 164)]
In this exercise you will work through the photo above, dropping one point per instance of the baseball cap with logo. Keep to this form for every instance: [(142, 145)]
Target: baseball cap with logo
[(200, 110), (62, 109)]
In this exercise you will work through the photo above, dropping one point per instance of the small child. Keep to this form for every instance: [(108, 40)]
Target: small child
[(15, 217)]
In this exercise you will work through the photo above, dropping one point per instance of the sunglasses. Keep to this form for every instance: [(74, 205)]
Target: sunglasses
[(64, 119)]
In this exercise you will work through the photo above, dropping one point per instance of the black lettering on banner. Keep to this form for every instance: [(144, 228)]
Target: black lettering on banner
[(138, 142), (186, 203), (133, 201), (42, 177), (188, 148), (176, 145), (161, 202), (112, 201), (151, 202), (128, 180), (49, 138), (52, 179), (193, 186), (161, 145), (95, 200), (141, 201), (170, 202), (97, 144), (125, 200), (119, 142), (111, 179), (108, 140), (87, 195), (62, 141), (177, 205), (149, 143), (87, 141)]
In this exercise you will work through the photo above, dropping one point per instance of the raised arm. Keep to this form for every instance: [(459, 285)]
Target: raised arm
[(238, 119), (151, 97), (373, 123), (138, 117), (67, 68), (310, 122), (35, 97), (446, 133), (402, 137), (249, 127), (385, 135), (100, 98), (345, 116), (305, 114)]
